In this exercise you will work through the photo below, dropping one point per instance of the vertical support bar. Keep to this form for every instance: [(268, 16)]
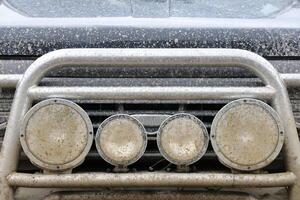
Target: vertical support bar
[(10, 147), (291, 147)]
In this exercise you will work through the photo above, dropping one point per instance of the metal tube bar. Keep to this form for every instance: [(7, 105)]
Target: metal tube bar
[(148, 57), (152, 93), (291, 80), (149, 179), (11, 80)]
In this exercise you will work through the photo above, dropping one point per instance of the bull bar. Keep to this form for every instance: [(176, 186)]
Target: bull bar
[(28, 90)]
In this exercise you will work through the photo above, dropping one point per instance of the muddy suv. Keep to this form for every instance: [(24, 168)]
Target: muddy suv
[(149, 99)]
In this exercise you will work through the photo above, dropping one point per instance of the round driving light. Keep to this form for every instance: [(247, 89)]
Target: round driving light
[(56, 134), (182, 139), (247, 134), (121, 140)]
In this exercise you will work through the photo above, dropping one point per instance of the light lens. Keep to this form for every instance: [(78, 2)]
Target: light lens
[(247, 134), (121, 140), (56, 134), (182, 139)]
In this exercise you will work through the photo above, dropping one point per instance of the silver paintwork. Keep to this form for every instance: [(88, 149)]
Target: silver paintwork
[(275, 88)]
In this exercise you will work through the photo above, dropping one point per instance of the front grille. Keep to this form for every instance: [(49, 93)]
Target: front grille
[(147, 76), (98, 111)]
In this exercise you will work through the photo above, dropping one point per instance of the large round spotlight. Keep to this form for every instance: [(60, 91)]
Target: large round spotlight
[(247, 134), (182, 139), (56, 134), (121, 140)]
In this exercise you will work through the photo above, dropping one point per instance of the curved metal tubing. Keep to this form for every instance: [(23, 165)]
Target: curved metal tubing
[(148, 57), (150, 179)]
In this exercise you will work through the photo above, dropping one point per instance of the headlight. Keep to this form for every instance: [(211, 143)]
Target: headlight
[(247, 134), (56, 134), (182, 139), (121, 140)]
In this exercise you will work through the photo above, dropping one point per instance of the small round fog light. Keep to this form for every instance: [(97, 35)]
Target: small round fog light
[(56, 134), (121, 140), (247, 134), (182, 139)]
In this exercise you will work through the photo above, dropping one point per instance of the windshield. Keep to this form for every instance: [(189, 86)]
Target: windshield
[(156, 8)]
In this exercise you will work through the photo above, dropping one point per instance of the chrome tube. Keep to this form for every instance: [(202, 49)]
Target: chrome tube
[(150, 179), (152, 93), (11, 80), (291, 80), (148, 57)]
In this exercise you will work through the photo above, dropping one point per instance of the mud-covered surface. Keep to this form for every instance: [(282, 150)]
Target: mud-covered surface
[(38, 40), (33, 28), (18, 65)]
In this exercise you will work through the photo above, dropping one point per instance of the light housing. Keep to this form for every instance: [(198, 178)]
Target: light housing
[(121, 140), (182, 139), (56, 134), (247, 134)]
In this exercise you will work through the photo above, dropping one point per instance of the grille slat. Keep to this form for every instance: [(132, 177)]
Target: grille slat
[(204, 113)]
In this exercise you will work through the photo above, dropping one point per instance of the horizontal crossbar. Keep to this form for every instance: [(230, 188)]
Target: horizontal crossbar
[(150, 179)]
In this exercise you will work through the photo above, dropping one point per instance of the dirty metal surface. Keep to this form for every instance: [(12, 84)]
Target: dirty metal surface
[(18, 65), (35, 37), (150, 179)]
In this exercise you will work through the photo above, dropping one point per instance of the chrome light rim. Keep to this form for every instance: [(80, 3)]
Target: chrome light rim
[(204, 131), (115, 162), (57, 167), (227, 162)]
